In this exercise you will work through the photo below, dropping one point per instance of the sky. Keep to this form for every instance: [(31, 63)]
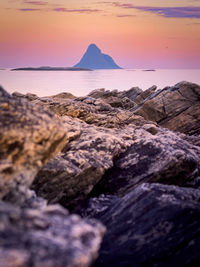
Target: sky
[(137, 34)]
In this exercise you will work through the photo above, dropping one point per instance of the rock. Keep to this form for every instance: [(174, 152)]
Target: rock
[(96, 206), (114, 98), (91, 110), (114, 161), (31, 97), (144, 95), (123, 99), (94, 59), (63, 95), (69, 177), (195, 183), (29, 137), (154, 225), (132, 93), (176, 108), (28, 96), (163, 157), (46, 237), (101, 107), (192, 139)]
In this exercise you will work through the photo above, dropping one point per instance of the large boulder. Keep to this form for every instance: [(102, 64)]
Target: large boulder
[(154, 225), (29, 137), (70, 177), (163, 157), (176, 108), (47, 237)]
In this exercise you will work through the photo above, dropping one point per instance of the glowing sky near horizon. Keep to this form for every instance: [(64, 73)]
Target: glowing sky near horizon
[(137, 34)]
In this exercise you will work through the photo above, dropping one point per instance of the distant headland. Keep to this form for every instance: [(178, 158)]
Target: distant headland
[(95, 59), (51, 69)]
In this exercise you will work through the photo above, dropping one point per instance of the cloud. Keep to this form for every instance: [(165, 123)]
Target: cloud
[(29, 9), (125, 16), (81, 10), (38, 3), (195, 23), (168, 12)]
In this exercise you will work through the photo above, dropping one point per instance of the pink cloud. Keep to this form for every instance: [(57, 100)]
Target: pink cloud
[(82, 10), (168, 12), (39, 3), (29, 9)]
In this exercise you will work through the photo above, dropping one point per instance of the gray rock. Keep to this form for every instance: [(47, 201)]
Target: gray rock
[(154, 225), (29, 137), (176, 108), (91, 110), (128, 99), (70, 177), (116, 99), (144, 95), (47, 237), (192, 139), (163, 157), (94, 207), (114, 161), (28, 96)]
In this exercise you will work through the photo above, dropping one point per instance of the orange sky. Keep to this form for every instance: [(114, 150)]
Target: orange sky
[(154, 34)]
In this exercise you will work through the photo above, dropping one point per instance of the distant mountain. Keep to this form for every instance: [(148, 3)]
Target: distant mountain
[(94, 59)]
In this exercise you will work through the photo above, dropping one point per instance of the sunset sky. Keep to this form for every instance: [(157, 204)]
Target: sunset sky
[(137, 34)]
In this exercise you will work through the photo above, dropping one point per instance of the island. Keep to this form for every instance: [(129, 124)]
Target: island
[(95, 59), (149, 70), (51, 69)]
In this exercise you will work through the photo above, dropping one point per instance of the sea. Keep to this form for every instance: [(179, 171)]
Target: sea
[(80, 83)]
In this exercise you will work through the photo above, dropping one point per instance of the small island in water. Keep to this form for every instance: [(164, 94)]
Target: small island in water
[(51, 69), (93, 59)]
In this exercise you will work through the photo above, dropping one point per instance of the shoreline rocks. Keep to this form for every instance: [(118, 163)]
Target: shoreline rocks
[(106, 157)]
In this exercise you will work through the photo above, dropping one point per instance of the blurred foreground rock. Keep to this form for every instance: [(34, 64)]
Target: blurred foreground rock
[(47, 237), (154, 225), (29, 137), (164, 158)]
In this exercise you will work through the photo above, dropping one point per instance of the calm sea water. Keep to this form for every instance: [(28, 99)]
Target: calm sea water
[(80, 83)]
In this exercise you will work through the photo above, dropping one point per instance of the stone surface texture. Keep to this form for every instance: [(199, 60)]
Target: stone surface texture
[(29, 137), (69, 177), (47, 237), (154, 225), (112, 161), (163, 157), (176, 108), (99, 160)]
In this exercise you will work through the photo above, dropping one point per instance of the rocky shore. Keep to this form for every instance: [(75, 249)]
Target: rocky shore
[(109, 179)]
